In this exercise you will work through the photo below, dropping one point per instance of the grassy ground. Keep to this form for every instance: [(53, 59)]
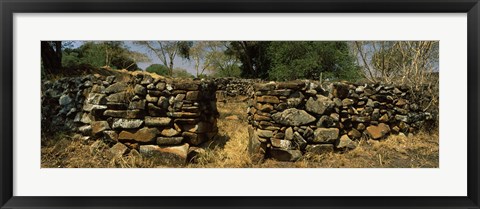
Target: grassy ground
[(230, 150)]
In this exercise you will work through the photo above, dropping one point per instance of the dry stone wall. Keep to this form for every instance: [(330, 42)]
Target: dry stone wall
[(289, 119), (169, 119), (232, 88), (159, 117)]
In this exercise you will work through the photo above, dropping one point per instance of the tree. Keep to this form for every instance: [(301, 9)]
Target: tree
[(224, 65), (198, 53), (403, 62), (412, 64), (220, 63), (210, 56), (167, 51), (310, 60), (287, 60), (181, 73), (110, 54), (253, 57), (158, 69), (51, 52)]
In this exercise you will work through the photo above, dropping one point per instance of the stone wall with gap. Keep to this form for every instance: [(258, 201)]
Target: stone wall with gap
[(158, 117), (229, 89), (290, 119)]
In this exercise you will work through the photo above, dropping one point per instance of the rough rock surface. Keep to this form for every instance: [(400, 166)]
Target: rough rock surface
[(293, 117), (171, 155)]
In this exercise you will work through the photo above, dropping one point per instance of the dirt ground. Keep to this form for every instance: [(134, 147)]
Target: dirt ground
[(229, 150)]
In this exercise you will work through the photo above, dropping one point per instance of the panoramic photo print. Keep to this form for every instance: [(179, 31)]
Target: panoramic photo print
[(239, 104)]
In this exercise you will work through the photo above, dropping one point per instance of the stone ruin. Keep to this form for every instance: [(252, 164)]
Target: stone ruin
[(168, 119), (289, 119), (229, 89), (159, 117)]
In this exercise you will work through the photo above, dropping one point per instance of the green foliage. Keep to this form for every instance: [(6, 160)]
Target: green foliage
[(123, 62), (70, 58), (182, 73), (98, 54), (229, 71), (309, 59), (255, 62), (289, 60), (184, 48), (158, 69), (167, 51)]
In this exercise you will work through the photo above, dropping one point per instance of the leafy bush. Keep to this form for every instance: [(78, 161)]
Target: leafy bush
[(158, 69), (310, 59), (182, 73)]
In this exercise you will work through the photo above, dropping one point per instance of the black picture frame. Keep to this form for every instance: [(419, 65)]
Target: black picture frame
[(9, 7)]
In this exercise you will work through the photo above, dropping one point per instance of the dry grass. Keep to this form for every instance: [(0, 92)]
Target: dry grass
[(64, 151), (421, 150), (229, 150)]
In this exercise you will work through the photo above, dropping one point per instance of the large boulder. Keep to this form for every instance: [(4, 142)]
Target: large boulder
[(325, 135), (285, 155), (140, 90), (144, 135), (116, 87), (354, 134), (280, 143), (171, 155), (293, 117), (378, 132), (99, 126), (117, 150), (264, 133), (345, 143), (319, 105)]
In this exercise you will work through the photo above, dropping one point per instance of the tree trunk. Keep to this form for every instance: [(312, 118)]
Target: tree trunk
[(51, 59)]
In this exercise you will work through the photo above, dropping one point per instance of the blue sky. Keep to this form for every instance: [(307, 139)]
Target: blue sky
[(178, 62)]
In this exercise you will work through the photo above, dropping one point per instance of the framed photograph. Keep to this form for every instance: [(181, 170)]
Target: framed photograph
[(240, 104)]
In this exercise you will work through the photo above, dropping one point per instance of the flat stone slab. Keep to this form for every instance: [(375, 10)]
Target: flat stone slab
[(325, 135), (126, 123), (171, 155), (293, 117), (144, 135)]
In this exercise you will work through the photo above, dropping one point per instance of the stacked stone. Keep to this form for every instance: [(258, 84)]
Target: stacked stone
[(62, 100), (161, 118), (233, 87), (293, 118)]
